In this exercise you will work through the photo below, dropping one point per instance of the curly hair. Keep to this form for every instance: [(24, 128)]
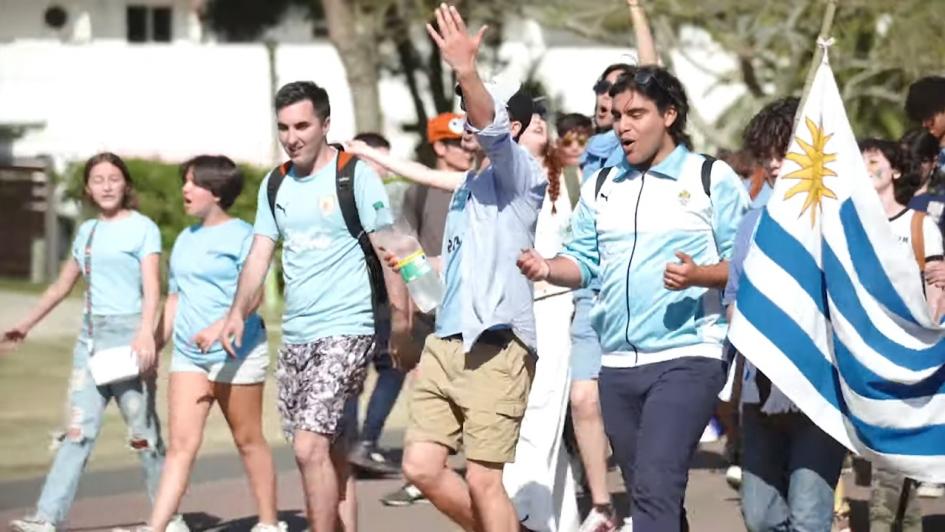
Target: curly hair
[(768, 134)]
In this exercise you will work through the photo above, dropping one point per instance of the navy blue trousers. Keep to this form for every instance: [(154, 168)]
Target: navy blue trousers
[(654, 415)]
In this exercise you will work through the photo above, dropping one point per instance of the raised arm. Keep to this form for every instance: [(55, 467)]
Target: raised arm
[(52, 296), (646, 46), (459, 50), (411, 170)]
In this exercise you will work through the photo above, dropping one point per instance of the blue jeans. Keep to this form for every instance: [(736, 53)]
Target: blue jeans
[(87, 403), (790, 469)]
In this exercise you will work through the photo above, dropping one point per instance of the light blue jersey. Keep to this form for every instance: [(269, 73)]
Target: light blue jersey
[(118, 247), (204, 273), (626, 236), (327, 290), (600, 152), (448, 320)]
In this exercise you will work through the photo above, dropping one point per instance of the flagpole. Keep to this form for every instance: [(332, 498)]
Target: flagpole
[(825, 27)]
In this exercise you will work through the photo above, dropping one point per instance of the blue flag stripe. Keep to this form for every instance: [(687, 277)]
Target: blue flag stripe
[(771, 321), (784, 250), (867, 265)]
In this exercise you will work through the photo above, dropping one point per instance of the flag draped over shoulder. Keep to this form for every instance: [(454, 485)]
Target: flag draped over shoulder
[(833, 312)]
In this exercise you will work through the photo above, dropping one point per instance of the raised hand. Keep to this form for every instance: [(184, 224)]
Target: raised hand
[(457, 47)]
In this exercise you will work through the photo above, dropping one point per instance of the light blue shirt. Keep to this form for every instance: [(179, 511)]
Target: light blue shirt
[(600, 152), (448, 320), (204, 273), (118, 247), (628, 233), (484, 236), (327, 290)]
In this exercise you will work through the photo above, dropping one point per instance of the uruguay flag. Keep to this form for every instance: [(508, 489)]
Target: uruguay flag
[(832, 312)]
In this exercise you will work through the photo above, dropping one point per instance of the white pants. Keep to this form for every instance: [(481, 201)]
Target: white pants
[(540, 482)]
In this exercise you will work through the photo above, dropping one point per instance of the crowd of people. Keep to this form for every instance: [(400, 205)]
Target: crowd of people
[(589, 264)]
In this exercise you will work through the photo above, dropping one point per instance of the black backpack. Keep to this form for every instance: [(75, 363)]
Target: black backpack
[(344, 187)]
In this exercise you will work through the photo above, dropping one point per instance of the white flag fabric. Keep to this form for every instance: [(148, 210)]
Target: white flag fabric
[(833, 312)]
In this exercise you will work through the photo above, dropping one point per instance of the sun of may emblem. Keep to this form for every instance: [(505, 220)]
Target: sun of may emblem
[(813, 169)]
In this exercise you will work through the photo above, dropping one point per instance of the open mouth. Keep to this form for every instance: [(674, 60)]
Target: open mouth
[(626, 143)]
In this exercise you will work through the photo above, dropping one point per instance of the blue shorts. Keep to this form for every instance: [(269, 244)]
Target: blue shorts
[(585, 345)]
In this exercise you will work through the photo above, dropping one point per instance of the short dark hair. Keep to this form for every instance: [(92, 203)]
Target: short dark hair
[(128, 200), (664, 89), (926, 98), (768, 133), (216, 173), (624, 68), (374, 140), (298, 91), (573, 121), (909, 179)]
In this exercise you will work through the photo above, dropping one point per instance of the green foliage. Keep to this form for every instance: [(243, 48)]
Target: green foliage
[(158, 190), (880, 47)]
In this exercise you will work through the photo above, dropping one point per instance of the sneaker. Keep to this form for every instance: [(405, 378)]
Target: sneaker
[(627, 525), (928, 490), (368, 457), (407, 495), (31, 524), (281, 526), (733, 475), (598, 521), (177, 524)]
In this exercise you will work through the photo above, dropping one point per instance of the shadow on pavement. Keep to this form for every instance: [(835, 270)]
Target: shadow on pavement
[(200, 521)]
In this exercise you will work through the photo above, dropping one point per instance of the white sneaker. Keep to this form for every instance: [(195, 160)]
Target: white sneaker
[(31, 524), (597, 521), (177, 524), (733, 475), (928, 490), (281, 526), (627, 525)]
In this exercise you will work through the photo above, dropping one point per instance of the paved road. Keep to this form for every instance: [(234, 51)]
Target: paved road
[(219, 500)]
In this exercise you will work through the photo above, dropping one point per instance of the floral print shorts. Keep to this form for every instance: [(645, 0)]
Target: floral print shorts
[(316, 379)]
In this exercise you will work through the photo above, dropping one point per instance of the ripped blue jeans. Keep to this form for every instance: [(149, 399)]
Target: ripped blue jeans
[(87, 404)]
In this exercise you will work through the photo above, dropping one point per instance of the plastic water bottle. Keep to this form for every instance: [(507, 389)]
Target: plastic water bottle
[(423, 281)]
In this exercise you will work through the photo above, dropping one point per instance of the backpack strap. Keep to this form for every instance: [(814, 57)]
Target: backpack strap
[(344, 187), (276, 177), (918, 238), (707, 163), (601, 179)]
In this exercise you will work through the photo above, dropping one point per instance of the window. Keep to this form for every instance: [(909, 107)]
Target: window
[(149, 24)]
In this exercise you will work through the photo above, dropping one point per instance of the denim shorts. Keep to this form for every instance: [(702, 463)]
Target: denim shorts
[(250, 369), (585, 345)]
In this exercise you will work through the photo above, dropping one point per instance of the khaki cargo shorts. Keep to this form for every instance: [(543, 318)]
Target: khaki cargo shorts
[(475, 399)]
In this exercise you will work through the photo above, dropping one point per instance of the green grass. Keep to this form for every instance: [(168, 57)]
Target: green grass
[(33, 382)]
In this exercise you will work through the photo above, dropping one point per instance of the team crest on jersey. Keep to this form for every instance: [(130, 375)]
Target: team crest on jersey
[(684, 197), (327, 205)]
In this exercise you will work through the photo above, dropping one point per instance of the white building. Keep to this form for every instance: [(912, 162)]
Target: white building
[(144, 78)]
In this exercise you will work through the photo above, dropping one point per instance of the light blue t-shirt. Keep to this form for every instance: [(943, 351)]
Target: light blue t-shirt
[(327, 290), (448, 319), (204, 273), (118, 247)]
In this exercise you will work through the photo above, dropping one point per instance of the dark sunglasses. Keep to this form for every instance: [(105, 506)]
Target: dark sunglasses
[(642, 79)]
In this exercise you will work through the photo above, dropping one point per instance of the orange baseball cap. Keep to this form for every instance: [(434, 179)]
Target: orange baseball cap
[(445, 126)]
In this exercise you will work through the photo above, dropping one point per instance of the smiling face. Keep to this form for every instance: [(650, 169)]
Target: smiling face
[(106, 187), (642, 129), (198, 201), (880, 170), (302, 133)]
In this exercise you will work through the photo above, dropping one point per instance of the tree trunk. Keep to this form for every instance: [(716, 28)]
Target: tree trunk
[(354, 35)]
